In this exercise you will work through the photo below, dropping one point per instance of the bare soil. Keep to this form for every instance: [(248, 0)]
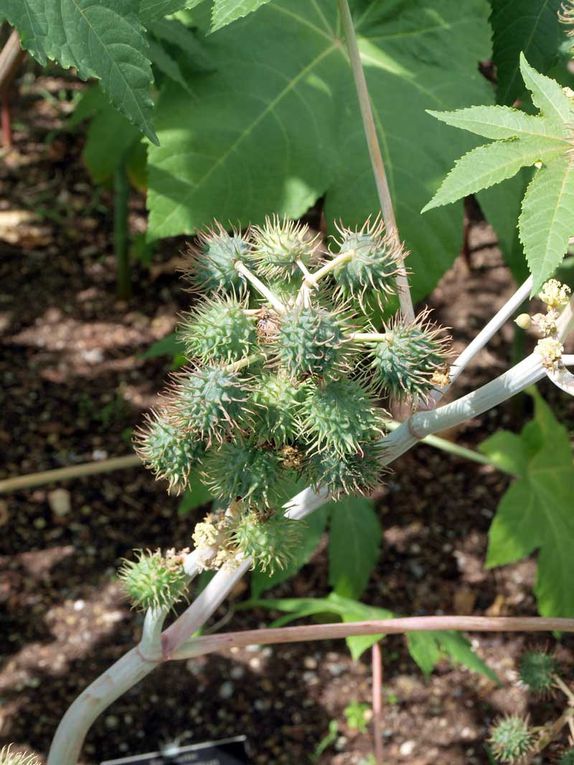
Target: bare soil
[(75, 385)]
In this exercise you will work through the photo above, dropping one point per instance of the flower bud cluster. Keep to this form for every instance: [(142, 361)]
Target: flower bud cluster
[(555, 297), (284, 379)]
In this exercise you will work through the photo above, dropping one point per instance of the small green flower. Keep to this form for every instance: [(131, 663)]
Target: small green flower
[(510, 739), (242, 470), (270, 542), (338, 417), (209, 401), (212, 266), (310, 341), (168, 450), (219, 330), (410, 358), (154, 580), (537, 670), (279, 245)]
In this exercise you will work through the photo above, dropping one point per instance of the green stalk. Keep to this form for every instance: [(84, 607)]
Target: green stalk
[(121, 231)]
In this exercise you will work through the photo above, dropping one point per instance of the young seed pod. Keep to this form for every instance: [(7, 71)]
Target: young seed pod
[(280, 245), (212, 264), (154, 580), (219, 331), (276, 399), (270, 541), (510, 739), (340, 474), (8, 757), (338, 417), (242, 470), (209, 401), (412, 359), (373, 263), (310, 341), (537, 671), (170, 452)]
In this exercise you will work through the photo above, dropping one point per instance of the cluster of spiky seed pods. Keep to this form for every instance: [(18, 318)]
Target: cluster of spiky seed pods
[(286, 375)]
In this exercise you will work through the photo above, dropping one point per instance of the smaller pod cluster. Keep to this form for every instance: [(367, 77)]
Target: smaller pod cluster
[(285, 377)]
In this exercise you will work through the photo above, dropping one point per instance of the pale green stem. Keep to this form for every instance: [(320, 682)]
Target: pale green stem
[(237, 366), (375, 154), (367, 337), (242, 269), (343, 257)]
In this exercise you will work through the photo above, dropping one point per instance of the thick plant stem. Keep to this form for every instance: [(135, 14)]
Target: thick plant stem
[(283, 635), (375, 154), (121, 231)]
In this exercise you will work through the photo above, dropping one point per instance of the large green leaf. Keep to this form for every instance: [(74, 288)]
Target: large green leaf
[(354, 545), (528, 26), (428, 648), (100, 38), (226, 11), (536, 512), (150, 10), (277, 125), (521, 140)]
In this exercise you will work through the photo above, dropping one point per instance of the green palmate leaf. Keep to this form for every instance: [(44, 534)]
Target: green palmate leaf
[(354, 545), (100, 38), (276, 125), (109, 138), (314, 528), (529, 26), (150, 10), (181, 37), (226, 11), (546, 221), (166, 63), (428, 648), (536, 511), (520, 140)]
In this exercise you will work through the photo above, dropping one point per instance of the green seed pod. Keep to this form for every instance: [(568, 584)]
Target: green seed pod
[(339, 416), (310, 342), (537, 671), (219, 330), (276, 400), (270, 542), (242, 470), (566, 759), (279, 245), (354, 473), (412, 359), (510, 739), (154, 580), (170, 452), (8, 757), (212, 264), (286, 290), (209, 401), (373, 263)]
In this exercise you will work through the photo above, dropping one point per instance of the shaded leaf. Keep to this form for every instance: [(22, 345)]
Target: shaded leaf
[(428, 648), (226, 11), (195, 496)]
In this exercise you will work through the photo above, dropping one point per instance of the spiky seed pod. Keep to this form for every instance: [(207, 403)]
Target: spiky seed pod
[(412, 359), (154, 580), (8, 757), (339, 416), (510, 739), (373, 263), (286, 290), (537, 671), (279, 244), (310, 342), (276, 399), (219, 330), (355, 473), (566, 759), (242, 470), (212, 263), (170, 452), (271, 542), (209, 401)]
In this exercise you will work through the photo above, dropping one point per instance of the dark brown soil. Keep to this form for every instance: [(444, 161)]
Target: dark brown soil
[(75, 385)]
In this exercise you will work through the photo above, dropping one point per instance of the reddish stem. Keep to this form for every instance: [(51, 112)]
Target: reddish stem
[(377, 668), (6, 123)]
